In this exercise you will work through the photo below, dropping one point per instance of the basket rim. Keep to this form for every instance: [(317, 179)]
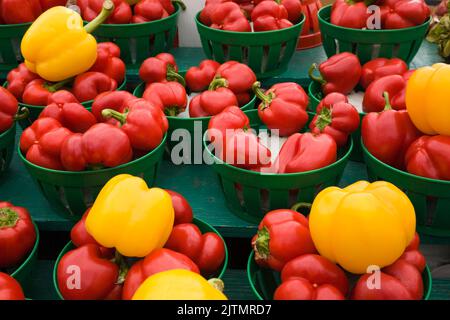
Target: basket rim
[(30, 255), (235, 33), (426, 275), (400, 172), (338, 162), (15, 25), (81, 173), (195, 221), (185, 120), (368, 31)]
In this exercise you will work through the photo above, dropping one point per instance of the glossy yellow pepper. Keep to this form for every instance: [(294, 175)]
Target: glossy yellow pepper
[(428, 99), (130, 217), (179, 285), (362, 225), (58, 47)]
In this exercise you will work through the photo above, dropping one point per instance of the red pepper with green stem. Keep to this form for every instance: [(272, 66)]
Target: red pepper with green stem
[(270, 15), (216, 99), (400, 14), (228, 16), (387, 135), (381, 67), (340, 73), (18, 79), (116, 100), (350, 13), (13, 12), (38, 91), (109, 62), (199, 78), (144, 124), (206, 250), (10, 289), (71, 115), (182, 208), (160, 68), (171, 97), (283, 234), (283, 107), (17, 234), (87, 86), (9, 108), (331, 99), (121, 14), (158, 261), (338, 120), (374, 97)]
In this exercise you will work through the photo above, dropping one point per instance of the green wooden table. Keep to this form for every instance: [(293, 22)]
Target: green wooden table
[(197, 183)]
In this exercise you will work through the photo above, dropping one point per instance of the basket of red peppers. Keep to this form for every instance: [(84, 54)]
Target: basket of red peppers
[(342, 78), (278, 164), (375, 28), (141, 28), (263, 35), (169, 239), (325, 256), (411, 147), (190, 98)]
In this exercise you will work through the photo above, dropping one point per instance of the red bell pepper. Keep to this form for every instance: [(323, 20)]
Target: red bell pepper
[(89, 85), (47, 4), (214, 100), (237, 77), (10, 289), (388, 135), (312, 277), (195, 108), (374, 97), (149, 10), (413, 256), (210, 6), (282, 236), (110, 100), (294, 9), (228, 16), (94, 148), (144, 124), (398, 101), (90, 9), (283, 107), (171, 97), (340, 73), (399, 14), (338, 120), (41, 143), (306, 151), (429, 156), (71, 115), (13, 12), (399, 281), (206, 250), (18, 79), (84, 274), (109, 62), (229, 119), (381, 67), (158, 261), (199, 78), (61, 96), (270, 15), (169, 7), (38, 92), (80, 237), (350, 13), (331, 99), (17, 234), (160, 68), (8, 109), (182, 208)]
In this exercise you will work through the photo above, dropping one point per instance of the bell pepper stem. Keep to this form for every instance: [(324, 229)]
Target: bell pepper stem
[(110, 113), (300, 205), (180, 3), (107, 9), (217, 284), (8, 218), (324, 118), (388, 105), (261, 95), (58, 85), (172, 75), (22, 114), (218, 83), (313, 77), (123, 267), (261, 245), (171, 111)]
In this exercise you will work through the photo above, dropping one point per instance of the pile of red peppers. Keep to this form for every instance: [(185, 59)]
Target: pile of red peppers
[(22, 11)]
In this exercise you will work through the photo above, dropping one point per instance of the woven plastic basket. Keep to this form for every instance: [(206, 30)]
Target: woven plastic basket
[(371, 44), (10, 38), (7, 141)]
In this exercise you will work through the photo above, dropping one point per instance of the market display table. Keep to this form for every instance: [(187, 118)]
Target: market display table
[(199, 185)]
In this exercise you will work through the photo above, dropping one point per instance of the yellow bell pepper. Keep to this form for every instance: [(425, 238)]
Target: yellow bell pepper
[(130, 217), (428, 99), (57, 47), (179, 285), (362, 225)]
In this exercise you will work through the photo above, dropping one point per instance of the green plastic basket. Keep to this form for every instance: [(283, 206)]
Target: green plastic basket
[(138, 41), (35, 111), (371, 44), (10, 39), (264, 282), (7, 141), (22, 273), (71, 193), (195, 126), (267, 53), (203, 226), (430, 197), (250, 195)]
